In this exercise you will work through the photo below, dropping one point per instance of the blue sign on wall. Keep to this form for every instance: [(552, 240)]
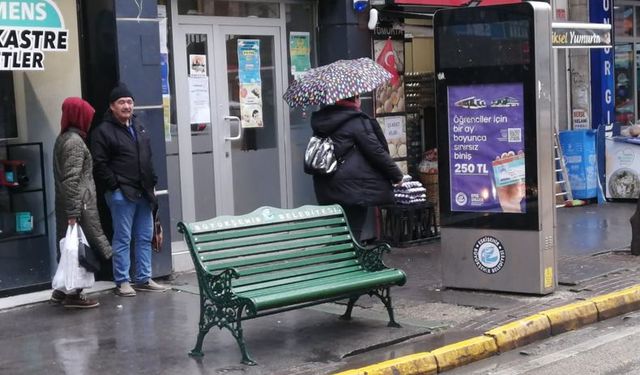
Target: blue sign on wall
[(602, 94), (602, 86)]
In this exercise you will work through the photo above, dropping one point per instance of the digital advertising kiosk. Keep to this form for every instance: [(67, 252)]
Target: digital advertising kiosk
[(495, 146)]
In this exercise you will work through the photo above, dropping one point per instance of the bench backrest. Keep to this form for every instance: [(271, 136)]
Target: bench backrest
[(271, 243)]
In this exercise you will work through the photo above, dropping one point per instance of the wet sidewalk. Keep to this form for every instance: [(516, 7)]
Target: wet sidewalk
[(152, 333)]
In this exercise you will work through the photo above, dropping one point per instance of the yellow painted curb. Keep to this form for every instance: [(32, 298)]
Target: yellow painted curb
[(570, 317), (464, 352), (614, 304), (521, 332), (414, 364), (509, 336)]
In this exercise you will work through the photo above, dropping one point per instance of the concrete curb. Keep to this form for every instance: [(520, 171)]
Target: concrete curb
[(510, 336)]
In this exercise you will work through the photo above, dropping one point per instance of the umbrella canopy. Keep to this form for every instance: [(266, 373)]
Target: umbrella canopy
[(339, 80)]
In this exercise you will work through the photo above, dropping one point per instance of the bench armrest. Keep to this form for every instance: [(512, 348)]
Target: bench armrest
[(371, 257), (218, 286)]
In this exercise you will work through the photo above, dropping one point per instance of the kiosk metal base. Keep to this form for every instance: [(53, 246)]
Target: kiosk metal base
[(499, 260)]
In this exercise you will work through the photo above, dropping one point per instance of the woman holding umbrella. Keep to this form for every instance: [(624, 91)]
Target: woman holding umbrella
[(366, 172)]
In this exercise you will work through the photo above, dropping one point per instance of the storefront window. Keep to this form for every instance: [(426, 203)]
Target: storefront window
[(624, 74), (228, 8), (623, 20), (33, 84)]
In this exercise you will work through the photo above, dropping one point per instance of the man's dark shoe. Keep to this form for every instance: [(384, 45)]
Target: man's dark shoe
[(57, 296), (79, 301)]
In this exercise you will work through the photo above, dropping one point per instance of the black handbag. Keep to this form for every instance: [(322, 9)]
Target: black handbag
[(87, 256)]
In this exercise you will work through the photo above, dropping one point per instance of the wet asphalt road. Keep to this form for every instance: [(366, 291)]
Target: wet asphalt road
[(610, 347)]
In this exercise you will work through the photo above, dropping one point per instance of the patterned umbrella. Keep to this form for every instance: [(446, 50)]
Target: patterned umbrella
[(339, 80)]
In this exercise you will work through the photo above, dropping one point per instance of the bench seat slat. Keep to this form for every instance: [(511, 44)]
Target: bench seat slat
[(267, 229), (289, 245), (296, 263), (325, 282), (261, 278), (304, 292), (296, 279), (221, 245)]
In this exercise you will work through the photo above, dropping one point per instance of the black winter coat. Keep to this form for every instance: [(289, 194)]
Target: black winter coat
[(122, 162), (367, 171)]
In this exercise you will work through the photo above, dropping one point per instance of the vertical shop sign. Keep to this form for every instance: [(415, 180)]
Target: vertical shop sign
[(486, 148), (250, 83), (300, 52), (27, 30), (602, 105)]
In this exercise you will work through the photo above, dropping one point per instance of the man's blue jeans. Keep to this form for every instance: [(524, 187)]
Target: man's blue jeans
[(131, 219)]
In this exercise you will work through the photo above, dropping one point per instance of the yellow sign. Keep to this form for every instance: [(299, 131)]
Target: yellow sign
[(548, 277)]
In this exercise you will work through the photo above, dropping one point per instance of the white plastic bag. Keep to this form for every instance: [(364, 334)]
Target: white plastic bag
[(70, 275)]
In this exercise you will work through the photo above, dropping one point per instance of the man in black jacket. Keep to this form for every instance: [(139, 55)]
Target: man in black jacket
[(121, 153)]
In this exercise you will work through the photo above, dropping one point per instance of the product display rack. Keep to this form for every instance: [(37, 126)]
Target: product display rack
[(420, 94), (24, 242)]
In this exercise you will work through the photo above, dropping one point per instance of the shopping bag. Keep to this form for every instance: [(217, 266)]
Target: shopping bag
[(86, 255), (70, 275), (58, 279)]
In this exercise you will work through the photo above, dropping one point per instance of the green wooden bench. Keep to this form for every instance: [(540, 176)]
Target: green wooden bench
[(274, 260)]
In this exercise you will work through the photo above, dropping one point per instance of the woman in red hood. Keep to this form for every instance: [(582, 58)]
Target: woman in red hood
[(76, 190)]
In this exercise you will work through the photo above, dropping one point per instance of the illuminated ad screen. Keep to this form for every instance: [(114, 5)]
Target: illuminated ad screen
[(486, 148)]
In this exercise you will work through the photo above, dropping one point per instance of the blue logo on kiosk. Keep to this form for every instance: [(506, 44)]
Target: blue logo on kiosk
[(488, 255)]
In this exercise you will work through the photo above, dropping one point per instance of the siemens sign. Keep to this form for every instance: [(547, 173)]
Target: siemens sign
[(602, 105), (27, 29)]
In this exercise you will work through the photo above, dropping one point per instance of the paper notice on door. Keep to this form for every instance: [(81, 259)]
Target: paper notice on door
[(199, 100), (250, 83), (249, 61), (251, 105), (300, 51), (198, 65)]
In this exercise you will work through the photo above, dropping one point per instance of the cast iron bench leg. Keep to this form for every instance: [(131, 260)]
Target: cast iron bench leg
[(347, 314), (385, 297), (197, 351), (237, 333), (205, 325)]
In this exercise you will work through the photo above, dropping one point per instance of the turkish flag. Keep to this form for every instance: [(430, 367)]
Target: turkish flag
[(387, 59)]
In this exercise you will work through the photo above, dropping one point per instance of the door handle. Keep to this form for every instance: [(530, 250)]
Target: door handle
[(232, 120), (162, 192)]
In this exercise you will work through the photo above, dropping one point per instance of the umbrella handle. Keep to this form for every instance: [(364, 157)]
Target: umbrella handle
[(230, 120)]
